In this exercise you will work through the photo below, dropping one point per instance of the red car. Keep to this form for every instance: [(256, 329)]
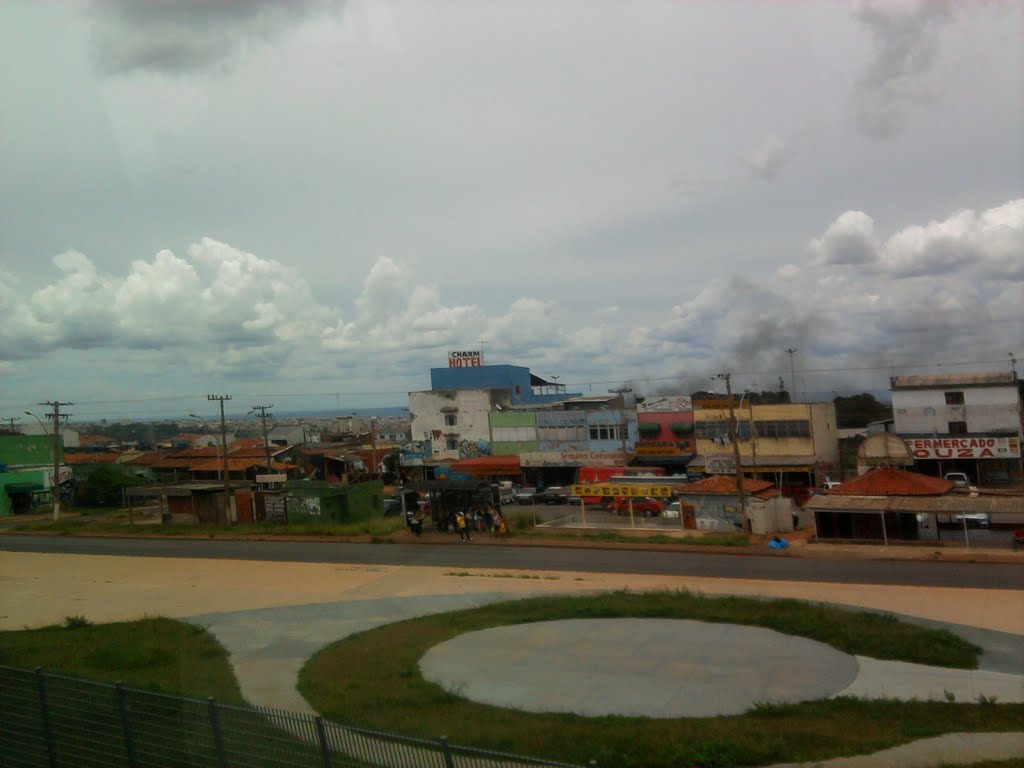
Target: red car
[(645, 506)]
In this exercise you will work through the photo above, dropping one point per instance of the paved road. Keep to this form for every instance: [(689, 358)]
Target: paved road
[(711, 565)]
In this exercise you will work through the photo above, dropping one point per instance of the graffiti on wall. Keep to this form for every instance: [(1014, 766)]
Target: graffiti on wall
[(472, 449)]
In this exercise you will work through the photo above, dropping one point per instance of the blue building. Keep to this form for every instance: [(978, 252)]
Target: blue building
[(523, 387)]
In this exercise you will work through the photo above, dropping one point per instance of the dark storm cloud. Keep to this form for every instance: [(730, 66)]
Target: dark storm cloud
[(188, 36)]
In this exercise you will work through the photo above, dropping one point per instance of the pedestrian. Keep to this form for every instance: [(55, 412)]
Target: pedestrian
[(460, 523), (495, 519), (502, 530)]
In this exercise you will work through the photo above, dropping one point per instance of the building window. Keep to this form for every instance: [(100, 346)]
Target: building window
[(954, 398), (451, 444), (513, 434), (958, 427), (450, 419)]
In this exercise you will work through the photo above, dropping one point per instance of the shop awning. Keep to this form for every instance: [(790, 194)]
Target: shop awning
[(488, 465), (681, 426), (646, 426)]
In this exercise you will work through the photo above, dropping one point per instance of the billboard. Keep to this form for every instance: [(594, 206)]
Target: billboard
[(720, 464), (571, 459), (963, 447), (473, 358), (664, 448)]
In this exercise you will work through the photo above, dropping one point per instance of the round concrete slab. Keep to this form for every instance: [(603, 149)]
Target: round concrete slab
[(636, 667)]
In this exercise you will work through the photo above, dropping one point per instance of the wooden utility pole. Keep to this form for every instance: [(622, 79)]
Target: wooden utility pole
[(224, 448), (263, 416), (55, 484), (736, 452), (12, 419)]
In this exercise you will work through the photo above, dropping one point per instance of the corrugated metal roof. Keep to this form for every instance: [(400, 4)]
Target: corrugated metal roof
[(993, 505), (990, 378)]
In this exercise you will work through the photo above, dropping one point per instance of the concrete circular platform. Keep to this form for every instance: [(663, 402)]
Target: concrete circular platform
[(636, 667)]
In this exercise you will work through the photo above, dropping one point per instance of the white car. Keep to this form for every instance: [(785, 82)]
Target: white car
[(959, 478)]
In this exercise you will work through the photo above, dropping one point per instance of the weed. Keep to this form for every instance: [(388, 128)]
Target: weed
[(76, 622)]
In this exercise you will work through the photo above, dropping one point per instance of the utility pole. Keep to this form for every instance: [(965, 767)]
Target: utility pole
[(12, 419), (623, 423), (792, 373), (55, 485), (263, 415), (224, 447), (736, 451)]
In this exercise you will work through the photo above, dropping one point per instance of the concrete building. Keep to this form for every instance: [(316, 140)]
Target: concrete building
[(966, 422), (666, 433), (554, 440), (26, 474), (451, 421), (716, 505), (793, 444)]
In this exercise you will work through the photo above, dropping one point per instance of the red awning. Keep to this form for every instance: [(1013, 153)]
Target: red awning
[(488, 465)]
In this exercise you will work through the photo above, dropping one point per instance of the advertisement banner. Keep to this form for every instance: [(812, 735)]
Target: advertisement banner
[(624, 491), (963, 447), (663, 448), (720, 465), (571, 459)]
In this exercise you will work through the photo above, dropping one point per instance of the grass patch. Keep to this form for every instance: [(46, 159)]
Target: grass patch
[(372, 679), (156, 654)]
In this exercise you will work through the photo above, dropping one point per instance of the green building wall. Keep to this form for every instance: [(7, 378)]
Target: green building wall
[(322, 502)]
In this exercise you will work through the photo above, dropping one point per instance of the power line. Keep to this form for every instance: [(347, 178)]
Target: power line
[(584, 383)]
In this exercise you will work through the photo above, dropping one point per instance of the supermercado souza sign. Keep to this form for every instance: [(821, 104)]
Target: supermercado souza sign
[(466, 359), (963, 447)]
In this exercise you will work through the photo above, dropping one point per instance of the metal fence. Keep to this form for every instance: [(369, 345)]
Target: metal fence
[(53, 720)]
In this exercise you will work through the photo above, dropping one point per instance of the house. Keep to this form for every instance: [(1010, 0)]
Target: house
[(716, 502)]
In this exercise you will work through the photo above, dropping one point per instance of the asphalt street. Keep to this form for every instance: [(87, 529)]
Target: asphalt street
[(456, 555)]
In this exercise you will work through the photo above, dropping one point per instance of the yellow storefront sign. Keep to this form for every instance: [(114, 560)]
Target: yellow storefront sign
[(624, 491)]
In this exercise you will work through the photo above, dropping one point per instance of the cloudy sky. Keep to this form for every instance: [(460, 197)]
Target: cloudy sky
[(310, 203)]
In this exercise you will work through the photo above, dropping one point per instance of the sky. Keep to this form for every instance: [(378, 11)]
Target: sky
[(311, 203)]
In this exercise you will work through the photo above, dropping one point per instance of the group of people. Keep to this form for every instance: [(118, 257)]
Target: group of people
[(479, 520)]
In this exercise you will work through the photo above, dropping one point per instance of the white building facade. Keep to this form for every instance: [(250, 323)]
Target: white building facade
[(969, 423)]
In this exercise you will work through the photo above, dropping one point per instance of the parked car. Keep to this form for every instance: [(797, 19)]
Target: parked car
[(959, 478), (672, 510), (556, 494), (645, 506), (526, 495)]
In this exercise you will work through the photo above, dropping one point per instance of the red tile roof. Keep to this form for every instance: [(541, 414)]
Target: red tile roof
[(726, 484), (101, 457), (884, 481)]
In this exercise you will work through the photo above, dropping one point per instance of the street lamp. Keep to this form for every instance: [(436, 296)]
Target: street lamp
[(45, 430)]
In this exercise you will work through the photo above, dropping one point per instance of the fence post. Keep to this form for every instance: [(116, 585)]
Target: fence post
[(126, 726), (44, 708), (321, 736), (218, 737), (449, 762)]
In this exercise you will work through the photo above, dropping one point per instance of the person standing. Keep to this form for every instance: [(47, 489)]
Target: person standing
[(460, 523)]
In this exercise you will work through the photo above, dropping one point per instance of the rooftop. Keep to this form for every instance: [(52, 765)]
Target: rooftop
[(727, 484), (886, 481), (990, 378)]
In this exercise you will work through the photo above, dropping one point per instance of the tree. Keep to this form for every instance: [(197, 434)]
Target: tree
[(860, 410), (103, 487)]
